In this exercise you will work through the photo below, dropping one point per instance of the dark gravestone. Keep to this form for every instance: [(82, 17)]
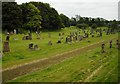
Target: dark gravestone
[(70, 39), (58, 41), (92, 35), (75, 38), (27, 37), (7, 38), (6, 47), (59, 34), (103, 47), (117, 44), (100, 34), (66, 40), (31, 46), (111, 44), (36, 47), (63, 33)]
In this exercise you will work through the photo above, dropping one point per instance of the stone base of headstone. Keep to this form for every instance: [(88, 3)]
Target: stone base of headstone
[(6, 47), (38, 38), (36, 47)]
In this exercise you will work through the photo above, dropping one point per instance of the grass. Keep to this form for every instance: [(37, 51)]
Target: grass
[(19, 52), (79, 68)]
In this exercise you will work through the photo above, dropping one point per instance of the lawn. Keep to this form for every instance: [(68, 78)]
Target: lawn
[(20, 54), (92, 66)]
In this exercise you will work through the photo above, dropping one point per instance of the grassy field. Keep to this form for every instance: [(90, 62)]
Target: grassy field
[(92, 66), (19, 52)]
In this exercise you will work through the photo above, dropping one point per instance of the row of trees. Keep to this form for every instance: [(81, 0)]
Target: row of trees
[(37, 15)]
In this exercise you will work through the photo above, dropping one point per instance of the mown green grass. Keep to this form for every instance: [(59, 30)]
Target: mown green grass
[(78, 68), (19, 52)]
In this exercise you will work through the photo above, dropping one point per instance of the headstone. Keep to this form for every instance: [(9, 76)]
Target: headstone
[(14, 31), (36, 47), (103, 47), (7, 38), (50, 43), (117, 44), (31, 46), (38, 36), (111, 44), (6, 47), (59, 34), (59, 41), (66, 40), (92, 35), (11, 33), (63, 33), (80, 37)]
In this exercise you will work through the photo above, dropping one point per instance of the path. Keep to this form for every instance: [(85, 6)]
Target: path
[(12, 73)]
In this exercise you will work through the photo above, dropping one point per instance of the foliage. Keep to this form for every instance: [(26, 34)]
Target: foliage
[(50, 17), (11, 16), (32, 17), (94, 26), (65, 20)]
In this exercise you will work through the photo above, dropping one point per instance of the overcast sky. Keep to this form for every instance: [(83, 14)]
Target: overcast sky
[(107, 9)]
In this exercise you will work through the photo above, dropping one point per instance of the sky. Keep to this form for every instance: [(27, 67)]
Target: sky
[(107, 9)]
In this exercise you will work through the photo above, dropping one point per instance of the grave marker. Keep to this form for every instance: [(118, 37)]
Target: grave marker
[(6, 47)]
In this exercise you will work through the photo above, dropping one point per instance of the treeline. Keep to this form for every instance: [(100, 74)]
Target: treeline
[(35, 16)]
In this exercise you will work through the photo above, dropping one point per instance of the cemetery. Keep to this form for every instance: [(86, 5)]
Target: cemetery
[(41, 45)]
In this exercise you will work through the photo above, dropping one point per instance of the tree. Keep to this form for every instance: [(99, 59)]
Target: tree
[(11, 16), (31, 16), (94, 26), (82, 26), (50, 17), (65, 20)]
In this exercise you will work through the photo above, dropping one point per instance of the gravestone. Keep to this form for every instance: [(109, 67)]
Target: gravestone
[(63, 33), (6, 47), (111, 44), (50, 43), (66, 40), (74, 39), (92, 35), (80, 38), (14, 31), (31, 46), (103, 47), (11, 33), (36, 47), (30, 36), (70, 39), (117, 44), (7, 38), (59, 34), (38, 36), (59, 41)]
